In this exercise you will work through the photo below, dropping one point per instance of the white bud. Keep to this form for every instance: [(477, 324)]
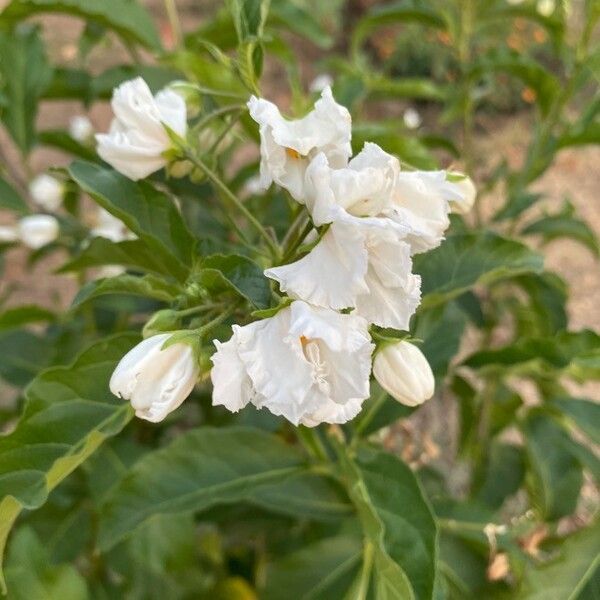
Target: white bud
[(403, 371), (8, 234), (412, 119), (137, 139), (36, 231), (546, 7), (81, 128), (320, 82), (154, 380), (47, 192), (468, 193)]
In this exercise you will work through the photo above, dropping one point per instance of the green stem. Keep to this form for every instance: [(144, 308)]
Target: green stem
[(311, 441), (219, 112), (233, 200), (369, 415), (294, 243)]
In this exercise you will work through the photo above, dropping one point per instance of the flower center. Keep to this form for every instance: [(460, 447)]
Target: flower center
[(312, 353), (294, 154)]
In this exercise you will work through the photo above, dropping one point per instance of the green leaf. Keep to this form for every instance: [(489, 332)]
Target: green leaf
[(292, 16), (556, 473), (69, 412), (503, 475), (24, 75), (249, 17), (565, 575), (150, 214), (392, 13), (320, 571), (564, 224), (102, 251), (148, 286), (581, 136), (566, 351), (424, 89), (157, 77), (553, 24), (73, 84), (126, 17), (207, 467), (10, 199), (238, 273), (30, 574), (584, 413), (466, 260), (396, 520), (61, 140), (24, 355), (23, 315)]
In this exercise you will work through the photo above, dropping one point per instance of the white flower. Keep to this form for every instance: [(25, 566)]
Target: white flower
[(137, 138), (108, 226), (252, 186), (36, 231), (363, 188), (320, 82), (287, 147), (81, 128), (412, 118), (420, 202), (402, 370), (546, 7), (468, 190), (310, 365), (47, 192), (154, 380), (8, 234), (359, 262)]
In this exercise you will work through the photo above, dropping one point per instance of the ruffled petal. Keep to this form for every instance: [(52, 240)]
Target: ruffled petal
[(172, 110), (331, 274)]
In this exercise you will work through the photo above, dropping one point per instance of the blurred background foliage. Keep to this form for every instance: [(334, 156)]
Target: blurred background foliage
[(504, 497)]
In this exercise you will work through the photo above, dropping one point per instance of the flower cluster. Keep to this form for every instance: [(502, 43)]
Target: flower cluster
[(310, 362)]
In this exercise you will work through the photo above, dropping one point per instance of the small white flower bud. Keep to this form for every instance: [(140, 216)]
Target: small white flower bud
[(403, 371), (546, 7), (468, 193), (36, 231), (81, 128), (47, 192), (412, 119), (154, 380), (8, 234)]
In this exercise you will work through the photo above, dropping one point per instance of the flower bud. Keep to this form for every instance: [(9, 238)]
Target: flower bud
[(412, 118), (155, 380), (36, 231), (139, 134), (47, 192), (81, 129), (8, 234), (403, 371), (468, 194)]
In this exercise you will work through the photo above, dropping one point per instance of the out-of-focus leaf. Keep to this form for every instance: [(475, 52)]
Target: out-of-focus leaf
[(69, 412), (556, 473), (564, 224), (565, 574), (299, 19), (10, 199), (102, 251), (237, 273), (249, 17), (30, 574), (575, 353), (584, 413), (129, 19), (389, 136), (378, 411), (149, 213), (69, 84), (504, 472), (61, 140), (23, 315), (24, 75), (502, 10), (322, 570), (424, 89), (581, 136), (516, 204), (24, 355), (525, 68), (206, 467), (155, 76), (148, 286), (466, 260)]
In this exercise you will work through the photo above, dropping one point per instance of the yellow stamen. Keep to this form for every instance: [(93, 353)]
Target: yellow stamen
[(293, 153)]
